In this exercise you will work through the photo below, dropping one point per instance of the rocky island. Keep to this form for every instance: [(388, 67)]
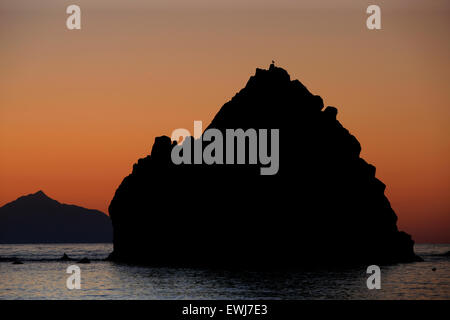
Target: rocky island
[(324, 206)]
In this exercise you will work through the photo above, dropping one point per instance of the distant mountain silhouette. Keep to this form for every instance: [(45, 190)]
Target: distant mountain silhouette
[(36, 218), (324, 206)]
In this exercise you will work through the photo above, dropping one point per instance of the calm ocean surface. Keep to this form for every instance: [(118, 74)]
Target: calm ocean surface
[(42, 277)]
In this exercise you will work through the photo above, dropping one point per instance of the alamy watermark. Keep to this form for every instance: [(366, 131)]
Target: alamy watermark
[(374, 280), (73, 22), (373, 22), (235, 140), (74, 280)]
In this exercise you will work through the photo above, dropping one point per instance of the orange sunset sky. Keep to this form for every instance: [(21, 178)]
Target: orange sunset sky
[(78, 108)]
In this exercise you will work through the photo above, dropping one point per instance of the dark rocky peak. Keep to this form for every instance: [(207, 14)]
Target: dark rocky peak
[(269, 100), (40, 195), (36, 199)]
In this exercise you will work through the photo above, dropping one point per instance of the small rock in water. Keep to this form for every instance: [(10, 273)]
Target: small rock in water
[(84, 260), (65, 257)]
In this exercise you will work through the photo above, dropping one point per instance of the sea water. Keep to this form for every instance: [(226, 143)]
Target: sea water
[(42, 276)]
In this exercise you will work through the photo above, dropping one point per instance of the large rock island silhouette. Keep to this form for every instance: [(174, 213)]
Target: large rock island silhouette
[(324, 206)]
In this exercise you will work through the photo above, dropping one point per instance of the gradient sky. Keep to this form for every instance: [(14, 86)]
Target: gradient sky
[(78, 108)]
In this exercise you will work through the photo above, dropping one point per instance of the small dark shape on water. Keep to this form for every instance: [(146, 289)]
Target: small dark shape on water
[(84, 260), (65, 257)]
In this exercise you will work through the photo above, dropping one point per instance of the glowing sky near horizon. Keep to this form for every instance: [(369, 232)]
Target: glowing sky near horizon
[(78, 108)]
